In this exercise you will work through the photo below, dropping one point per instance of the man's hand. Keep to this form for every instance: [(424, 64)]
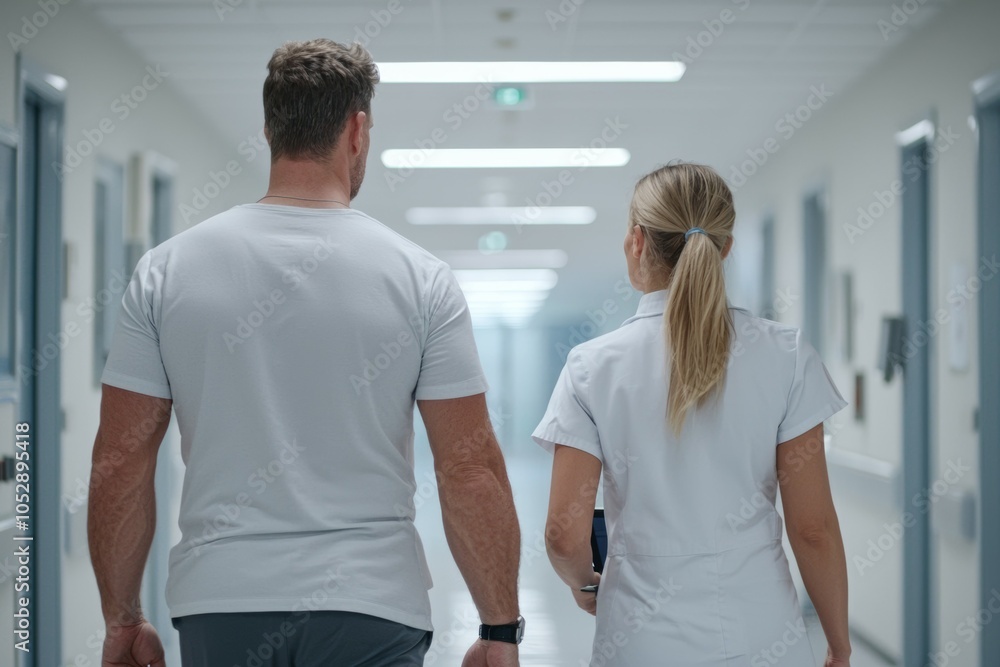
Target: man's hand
[(832, 661), (587, 601), (491, 654), (133, 646)]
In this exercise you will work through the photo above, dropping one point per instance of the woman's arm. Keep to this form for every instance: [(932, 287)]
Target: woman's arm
[(575, 478), (814, 533)]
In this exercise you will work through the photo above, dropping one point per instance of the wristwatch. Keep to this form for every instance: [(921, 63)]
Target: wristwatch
[(512, 633)]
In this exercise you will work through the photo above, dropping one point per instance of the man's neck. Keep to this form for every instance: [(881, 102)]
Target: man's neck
[(308, 184)]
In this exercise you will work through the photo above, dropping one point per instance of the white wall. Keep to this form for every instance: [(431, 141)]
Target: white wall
[(849, 148), (100, 67)]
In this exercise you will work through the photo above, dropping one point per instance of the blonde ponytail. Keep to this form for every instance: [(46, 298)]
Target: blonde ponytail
[(667, 204), (698, 327)]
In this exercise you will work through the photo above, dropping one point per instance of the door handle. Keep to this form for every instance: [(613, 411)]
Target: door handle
[(7, 468)]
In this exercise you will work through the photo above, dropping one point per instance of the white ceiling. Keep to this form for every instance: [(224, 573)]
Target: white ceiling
[(759, 68)]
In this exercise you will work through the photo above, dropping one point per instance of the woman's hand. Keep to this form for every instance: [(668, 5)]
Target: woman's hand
[(587, 601)]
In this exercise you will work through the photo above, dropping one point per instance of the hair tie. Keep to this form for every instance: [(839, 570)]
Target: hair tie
[(694, 230)]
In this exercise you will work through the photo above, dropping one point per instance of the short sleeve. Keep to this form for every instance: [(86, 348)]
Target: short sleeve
[(449, 367), (568, 420), (813, 397), (134, 362)]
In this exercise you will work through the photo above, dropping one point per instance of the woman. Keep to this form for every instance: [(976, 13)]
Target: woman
[(697, 413)]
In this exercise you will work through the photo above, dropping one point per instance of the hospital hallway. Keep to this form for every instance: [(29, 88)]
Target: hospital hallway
[(859, 141)]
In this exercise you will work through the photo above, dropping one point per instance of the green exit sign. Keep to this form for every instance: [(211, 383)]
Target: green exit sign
[(509, 96)]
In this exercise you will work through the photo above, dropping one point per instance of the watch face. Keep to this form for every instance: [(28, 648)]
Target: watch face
[(520, 629)]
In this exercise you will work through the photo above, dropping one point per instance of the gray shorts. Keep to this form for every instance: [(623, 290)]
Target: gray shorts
[(299, 639)]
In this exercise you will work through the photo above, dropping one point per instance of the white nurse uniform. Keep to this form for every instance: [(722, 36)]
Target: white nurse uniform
[(696, 573)]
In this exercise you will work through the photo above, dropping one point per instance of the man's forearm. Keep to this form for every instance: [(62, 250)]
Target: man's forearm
[(481, 525), (121, 521)]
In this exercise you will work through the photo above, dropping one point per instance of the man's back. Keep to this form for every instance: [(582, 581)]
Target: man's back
[(293, 344)]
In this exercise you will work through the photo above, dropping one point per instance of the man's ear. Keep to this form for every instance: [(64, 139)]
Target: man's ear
[(357, 128)]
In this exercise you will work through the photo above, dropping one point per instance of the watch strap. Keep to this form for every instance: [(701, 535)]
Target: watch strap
[(499, 633)]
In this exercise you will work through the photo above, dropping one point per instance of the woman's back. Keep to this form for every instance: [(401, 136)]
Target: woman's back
[(683, 410), (716, 479), (696, 568)]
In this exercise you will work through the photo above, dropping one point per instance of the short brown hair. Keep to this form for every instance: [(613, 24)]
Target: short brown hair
[(311, 89)]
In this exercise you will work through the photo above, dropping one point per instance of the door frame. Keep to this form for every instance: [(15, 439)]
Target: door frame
[(44, 407), (917, 270), (9, 386), (768, 276), (816, 265), (151, 229), (11, 137), (986, 94)]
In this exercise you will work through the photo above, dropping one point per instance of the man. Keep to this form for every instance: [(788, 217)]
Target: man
[(292, 338)]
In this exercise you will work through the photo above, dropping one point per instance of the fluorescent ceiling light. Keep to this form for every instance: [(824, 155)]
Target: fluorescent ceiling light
[(501, 309), (506, 302), (512, 308), (509, 303), (498, 297), (508, 259), (506, 286), (665, 71), (505, 296), (479, 317), (507, 321), (501, 215), (489, 280), (503, 158), (510, 322), (511, 314)]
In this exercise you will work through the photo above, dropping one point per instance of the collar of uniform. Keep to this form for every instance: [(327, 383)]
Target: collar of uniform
[(651, 304)]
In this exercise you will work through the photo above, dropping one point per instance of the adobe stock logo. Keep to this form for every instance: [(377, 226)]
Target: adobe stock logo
[(391, 350), (773, 654), (245, 326), (121, 108), (697, 44), (373, 369), (786, 126)]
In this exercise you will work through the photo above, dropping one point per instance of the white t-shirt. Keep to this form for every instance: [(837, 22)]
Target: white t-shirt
[(696, 568), (293, 343)]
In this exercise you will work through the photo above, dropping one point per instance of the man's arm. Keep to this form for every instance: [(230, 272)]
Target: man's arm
[(476, 503), (121, 515)]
